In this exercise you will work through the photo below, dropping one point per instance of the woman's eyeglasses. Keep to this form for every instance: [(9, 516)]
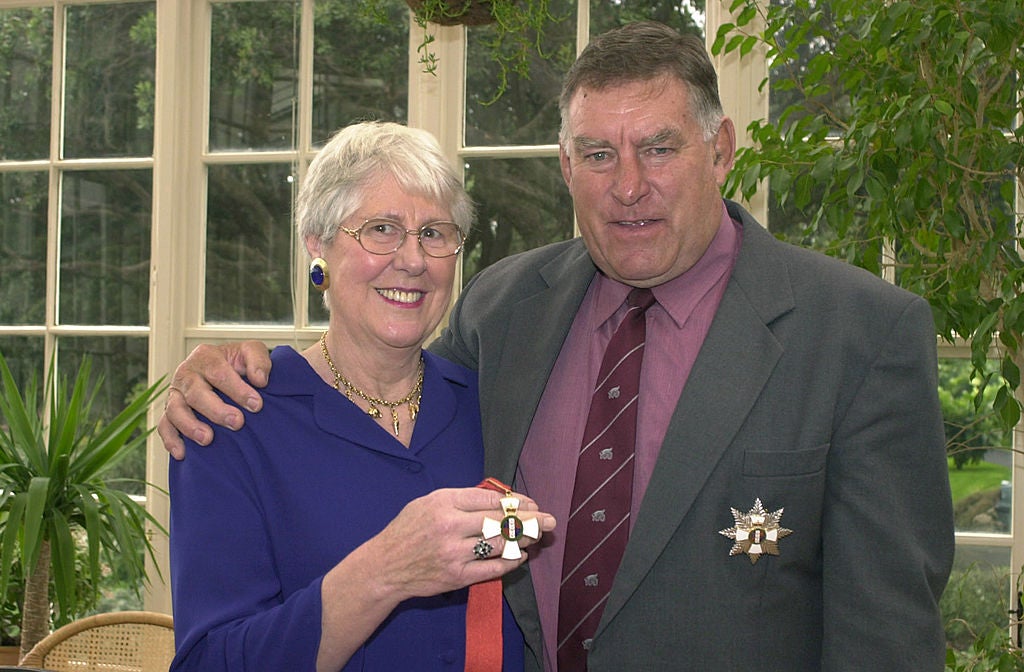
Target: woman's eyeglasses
[(384, 236)]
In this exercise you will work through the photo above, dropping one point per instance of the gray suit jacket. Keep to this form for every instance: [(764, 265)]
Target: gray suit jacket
[(815, 392)]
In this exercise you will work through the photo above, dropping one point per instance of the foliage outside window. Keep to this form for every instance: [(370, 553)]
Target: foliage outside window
[(904, 148)]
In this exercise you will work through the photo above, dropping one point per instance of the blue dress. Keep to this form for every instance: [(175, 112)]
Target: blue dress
[(259, 516)]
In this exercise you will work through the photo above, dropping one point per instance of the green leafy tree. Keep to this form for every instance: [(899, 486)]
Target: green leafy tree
[(900, 147)]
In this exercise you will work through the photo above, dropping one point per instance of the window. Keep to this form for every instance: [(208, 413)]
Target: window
[(76, 174)]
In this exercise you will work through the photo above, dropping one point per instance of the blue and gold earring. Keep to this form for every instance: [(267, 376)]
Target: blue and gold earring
[(318, 274)]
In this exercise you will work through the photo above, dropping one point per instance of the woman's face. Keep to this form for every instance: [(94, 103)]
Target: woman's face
[(392, 301)]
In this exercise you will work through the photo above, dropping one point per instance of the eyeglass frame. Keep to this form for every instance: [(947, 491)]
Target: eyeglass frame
[(355, 233)]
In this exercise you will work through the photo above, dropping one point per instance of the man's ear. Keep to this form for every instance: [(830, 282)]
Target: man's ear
[(725, 149), (563, 160)]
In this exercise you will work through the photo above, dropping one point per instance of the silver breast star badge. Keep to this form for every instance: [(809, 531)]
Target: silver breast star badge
[(756, 532)]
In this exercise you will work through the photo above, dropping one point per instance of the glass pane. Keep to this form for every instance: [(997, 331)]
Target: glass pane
[(521, 204), (109, 81), (686, 16), (249, 244), (254, 75), (24, 357), (784, 91), (527, 112), (976, 601), (119, 369), (26, 45), (105, 227), (23, 203), (360, 65), (980, 453)]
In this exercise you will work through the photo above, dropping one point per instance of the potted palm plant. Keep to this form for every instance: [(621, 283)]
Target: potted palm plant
[(57, 508)]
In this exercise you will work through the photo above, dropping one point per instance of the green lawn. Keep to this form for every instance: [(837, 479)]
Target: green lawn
[(975, 478)]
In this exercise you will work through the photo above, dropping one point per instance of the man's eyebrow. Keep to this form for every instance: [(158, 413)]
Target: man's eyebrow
[(661, 137), (582, 142)]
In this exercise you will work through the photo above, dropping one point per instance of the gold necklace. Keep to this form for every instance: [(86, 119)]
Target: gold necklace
[(413, 398)]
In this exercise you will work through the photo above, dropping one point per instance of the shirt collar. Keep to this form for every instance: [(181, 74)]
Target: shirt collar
[(680, 295)]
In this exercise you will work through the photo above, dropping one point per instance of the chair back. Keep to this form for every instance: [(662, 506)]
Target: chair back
[(123, 641)]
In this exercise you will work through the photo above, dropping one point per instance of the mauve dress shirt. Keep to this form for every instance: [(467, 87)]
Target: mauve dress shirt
[(676, 326)]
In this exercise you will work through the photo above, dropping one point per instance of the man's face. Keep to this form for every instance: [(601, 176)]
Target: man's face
[(645, 183)]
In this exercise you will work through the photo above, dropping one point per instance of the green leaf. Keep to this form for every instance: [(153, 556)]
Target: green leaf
[(747, 15), (720, 36), (62, 547), (34, 525), (1010, 372), (748, 45), (15, 507), (93, 525)]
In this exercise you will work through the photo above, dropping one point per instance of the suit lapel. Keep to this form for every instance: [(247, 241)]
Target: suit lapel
[(536, 328), (734, 363)]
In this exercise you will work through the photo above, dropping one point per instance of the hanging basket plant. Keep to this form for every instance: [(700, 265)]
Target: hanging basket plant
[(453, 12), (518, 30)]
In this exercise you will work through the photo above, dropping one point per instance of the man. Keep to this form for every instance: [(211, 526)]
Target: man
[(790, 505)]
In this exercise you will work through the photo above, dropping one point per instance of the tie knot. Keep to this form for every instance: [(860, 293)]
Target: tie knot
[(640, 297)]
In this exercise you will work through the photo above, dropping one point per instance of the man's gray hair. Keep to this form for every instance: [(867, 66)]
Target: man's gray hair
[(639, 52)]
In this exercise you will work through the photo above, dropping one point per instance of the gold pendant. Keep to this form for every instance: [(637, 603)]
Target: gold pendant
[(373, 412)]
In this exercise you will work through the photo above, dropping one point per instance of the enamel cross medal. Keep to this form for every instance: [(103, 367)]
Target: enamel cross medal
[(511, 528)]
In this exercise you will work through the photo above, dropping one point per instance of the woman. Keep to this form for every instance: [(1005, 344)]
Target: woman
[(339, 528)]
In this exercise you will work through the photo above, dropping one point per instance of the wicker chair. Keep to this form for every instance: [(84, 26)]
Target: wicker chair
[(124, 641)]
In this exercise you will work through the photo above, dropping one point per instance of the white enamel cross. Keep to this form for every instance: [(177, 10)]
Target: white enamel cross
[(511, 528)]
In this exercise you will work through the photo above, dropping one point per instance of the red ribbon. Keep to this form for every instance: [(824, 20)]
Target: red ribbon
[(484, 644)]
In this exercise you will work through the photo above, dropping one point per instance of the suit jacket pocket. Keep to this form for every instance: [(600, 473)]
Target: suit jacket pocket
[(785, 462)]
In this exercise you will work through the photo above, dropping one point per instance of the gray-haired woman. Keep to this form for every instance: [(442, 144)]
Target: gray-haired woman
[(340, 527)]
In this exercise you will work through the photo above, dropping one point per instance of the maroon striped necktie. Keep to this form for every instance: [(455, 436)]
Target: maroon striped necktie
[(598, 525)]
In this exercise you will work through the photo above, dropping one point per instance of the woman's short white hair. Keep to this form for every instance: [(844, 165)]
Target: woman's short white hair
[(356, 157)]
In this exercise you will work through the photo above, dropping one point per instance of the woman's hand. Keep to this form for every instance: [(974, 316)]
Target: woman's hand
[(426, 550), (429, 547)]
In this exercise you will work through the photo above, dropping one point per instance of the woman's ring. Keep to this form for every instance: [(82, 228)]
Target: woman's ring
[(482, 550)]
